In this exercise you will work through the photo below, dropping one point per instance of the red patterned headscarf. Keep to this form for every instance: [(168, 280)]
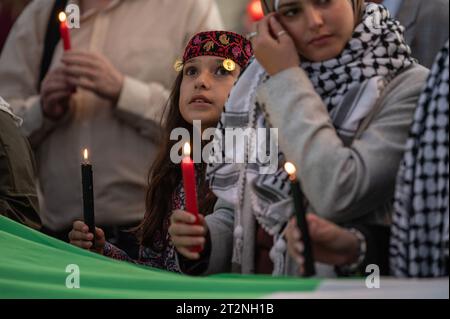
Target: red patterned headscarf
[(231, 46)]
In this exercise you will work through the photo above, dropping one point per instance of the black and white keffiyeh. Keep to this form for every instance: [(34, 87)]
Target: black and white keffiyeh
[(349, 86), (419, 236)]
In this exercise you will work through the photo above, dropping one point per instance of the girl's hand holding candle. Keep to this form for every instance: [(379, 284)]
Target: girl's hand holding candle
[(185, 233), (81, 237)]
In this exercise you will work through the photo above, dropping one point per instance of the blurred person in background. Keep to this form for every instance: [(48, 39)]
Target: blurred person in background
[(18, 196), (426, 25), (9, 11)]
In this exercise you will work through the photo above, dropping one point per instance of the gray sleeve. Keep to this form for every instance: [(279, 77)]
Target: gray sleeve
[(221, 225), (342, 183)]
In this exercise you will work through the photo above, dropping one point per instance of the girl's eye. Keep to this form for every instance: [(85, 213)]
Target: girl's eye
[(290, 12), (222, 71), (190, 71)]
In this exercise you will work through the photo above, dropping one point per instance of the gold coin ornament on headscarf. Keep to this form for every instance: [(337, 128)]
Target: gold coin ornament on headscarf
[(229, 65), (224, 39), (178, 66)]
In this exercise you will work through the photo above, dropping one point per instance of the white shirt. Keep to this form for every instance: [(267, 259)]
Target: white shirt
[(393, 6)]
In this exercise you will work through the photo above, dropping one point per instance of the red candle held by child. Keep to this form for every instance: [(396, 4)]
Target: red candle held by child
[(190, 186), (64, 31)]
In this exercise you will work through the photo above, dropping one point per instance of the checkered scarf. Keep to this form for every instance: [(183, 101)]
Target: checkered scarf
[(419, 237)]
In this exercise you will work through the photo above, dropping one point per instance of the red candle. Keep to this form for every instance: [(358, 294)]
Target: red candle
[(255, 10), (190, 186), (64, 31)]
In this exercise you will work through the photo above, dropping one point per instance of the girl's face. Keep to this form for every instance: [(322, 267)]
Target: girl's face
[(319, 28), (204, 89)]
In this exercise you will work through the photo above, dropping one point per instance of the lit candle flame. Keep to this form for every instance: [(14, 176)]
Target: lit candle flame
[(187, 149), (86, 155), (62, 17), (291, 170)]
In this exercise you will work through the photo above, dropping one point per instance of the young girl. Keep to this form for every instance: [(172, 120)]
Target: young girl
[(211, 64), (338, 81)]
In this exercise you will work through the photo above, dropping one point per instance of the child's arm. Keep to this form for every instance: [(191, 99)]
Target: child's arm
[(111, 251), (147, 257)]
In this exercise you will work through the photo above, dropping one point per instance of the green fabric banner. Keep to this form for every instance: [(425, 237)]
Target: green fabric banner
[(33, 265)]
